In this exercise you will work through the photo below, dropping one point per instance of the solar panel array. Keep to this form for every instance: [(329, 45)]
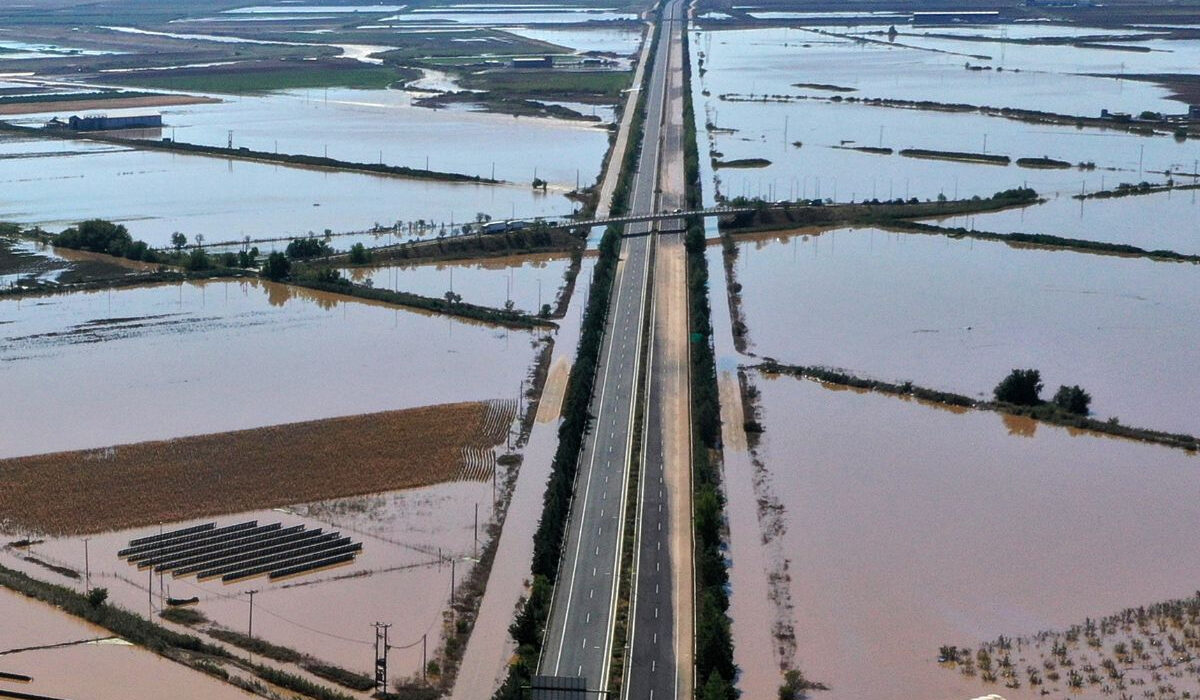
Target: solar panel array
[(241, 551)]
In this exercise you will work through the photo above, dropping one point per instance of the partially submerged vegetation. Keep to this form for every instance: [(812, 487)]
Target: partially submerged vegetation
[(298, 160), (187, 649), (740, 163), (275, 652), (1044, 162), (576, 86), (516, 106), (1128, 189), (714, 664), (1045, 240), (329, 280), (961, 156), (267, 75), (1149, 651), (816, 212), (1047, 412)]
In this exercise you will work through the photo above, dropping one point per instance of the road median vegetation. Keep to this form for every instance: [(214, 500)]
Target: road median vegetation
[(530, 624)]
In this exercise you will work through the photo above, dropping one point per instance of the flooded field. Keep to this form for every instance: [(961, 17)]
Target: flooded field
[(99, 667), (958, 315), (401, 576), (372, 126), (805, 137), (482, 16), (201, 358), (526, 282), (227, 200), (1166, 221), (909, 527), (621, 41), (903, 72), (1154, 55)]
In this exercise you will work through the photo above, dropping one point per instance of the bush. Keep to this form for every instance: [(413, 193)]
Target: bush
[(1021, 387), (183, 616), (97, 596), (1073, 399), (198, 260)]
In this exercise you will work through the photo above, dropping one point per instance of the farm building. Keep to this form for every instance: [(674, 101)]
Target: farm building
[(104, 123), (532, 62)]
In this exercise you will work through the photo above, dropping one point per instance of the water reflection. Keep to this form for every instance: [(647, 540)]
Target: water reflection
[(198, 358), (908, 528), (958, 315)]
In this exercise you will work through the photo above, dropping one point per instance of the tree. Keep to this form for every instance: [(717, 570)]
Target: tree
[(247, 259), (359, 254), (540, 184), (198, 260), (453, 297), (301, 248), (98, 236), (277, 266), (796, 686), (178, 240), (1021, 387), (1073, 399), (717, 688)]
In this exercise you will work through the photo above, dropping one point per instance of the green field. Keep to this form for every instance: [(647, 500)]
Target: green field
[(74, 97), (550, 83), (255, 79)]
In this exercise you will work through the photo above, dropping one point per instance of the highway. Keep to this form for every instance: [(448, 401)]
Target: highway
[(579, 636), (660, 644)]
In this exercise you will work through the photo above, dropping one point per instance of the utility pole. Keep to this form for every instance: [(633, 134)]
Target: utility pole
[(381, 652), (87, 568), (250, 626), (477, 526), (424, 650)]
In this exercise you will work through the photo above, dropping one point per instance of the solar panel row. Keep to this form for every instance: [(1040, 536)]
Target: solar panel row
[(281, 542), (271, 559), (244, 550), (267, 568), (192, 537), (212, 544), (169, 535)]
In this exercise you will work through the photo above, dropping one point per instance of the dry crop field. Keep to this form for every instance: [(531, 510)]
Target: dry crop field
[(70, 493)]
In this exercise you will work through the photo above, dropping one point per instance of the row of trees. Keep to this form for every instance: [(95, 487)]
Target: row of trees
[(1023, 387), (531, 621), (715, 669)]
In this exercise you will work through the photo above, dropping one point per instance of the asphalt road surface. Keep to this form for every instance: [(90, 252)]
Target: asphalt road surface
[(580, 633)]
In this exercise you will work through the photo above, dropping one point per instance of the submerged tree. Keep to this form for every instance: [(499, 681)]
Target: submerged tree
[(276, 267), (1022, 387), (1073, 399)]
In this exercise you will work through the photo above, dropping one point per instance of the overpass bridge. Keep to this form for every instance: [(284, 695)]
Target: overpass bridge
[(646, 217)]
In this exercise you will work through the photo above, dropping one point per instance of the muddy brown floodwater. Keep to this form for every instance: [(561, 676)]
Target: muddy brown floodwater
[(99, 668), (203, 358), (958, 315), (908, 527)]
